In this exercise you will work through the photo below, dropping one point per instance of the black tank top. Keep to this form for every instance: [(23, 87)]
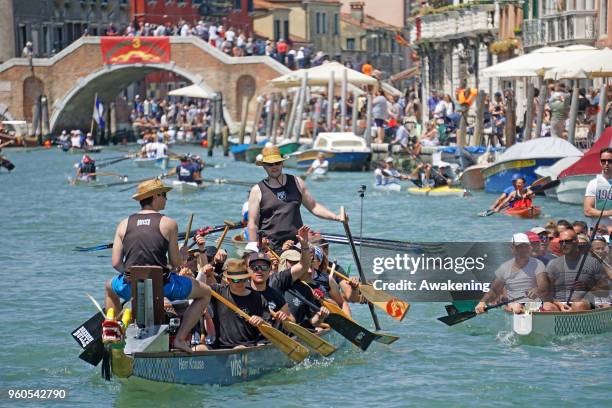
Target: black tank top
[(143, 243), (279, 211)]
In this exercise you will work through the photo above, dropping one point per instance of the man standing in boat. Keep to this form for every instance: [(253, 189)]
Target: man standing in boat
[(274, 204), (598, 190), (150, 238)]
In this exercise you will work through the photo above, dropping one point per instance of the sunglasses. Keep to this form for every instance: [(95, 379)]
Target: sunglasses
[(163, 195), (566, 241), (239, 280), (606, 161), (263, 268), (273, 164)]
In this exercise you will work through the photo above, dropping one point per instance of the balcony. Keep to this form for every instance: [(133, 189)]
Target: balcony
[(454, 24), (567, 28)]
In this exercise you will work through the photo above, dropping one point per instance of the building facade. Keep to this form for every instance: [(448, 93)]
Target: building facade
[(365, 38), (54, 24)]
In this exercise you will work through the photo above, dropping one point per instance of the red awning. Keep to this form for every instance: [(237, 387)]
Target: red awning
[(589, 163)]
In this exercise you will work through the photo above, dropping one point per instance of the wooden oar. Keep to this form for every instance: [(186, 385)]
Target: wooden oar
[(180, 236), (188, 232), (233, 182), (124, 176), (331, 306), (455, 318), (349, 236), (228, 224), (284, 343), (160, 177), (108, 163), (313, 341), (393, 306)]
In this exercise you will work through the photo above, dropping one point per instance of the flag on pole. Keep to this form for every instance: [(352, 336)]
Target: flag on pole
[(98, 113)]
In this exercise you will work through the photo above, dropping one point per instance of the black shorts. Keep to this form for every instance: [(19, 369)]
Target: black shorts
[(379, 122)]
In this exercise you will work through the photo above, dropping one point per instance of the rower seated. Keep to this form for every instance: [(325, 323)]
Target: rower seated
[(320, 166), (187, 171), (388, 174), (86, 169), (517, 276)]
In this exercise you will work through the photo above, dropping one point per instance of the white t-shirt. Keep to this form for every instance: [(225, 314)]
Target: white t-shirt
[(382, 180), (518, 281), (598, 188), (320, 168)]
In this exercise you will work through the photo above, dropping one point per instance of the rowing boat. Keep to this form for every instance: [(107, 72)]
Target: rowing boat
[(441, 191), (161, 162), (388, 187), (186, 187), (534, 324), (212, 367), (526, 212)]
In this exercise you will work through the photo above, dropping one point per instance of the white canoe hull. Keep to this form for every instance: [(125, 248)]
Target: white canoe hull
[(550, 324), (161, 162), (571, 190), (186, 187), (388, 187)]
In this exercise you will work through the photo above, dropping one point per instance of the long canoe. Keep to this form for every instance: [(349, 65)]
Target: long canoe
[(212, 367), (550, 324)]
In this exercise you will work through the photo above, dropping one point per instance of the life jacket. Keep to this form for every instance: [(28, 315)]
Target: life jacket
[(521, 202), (88, 168)]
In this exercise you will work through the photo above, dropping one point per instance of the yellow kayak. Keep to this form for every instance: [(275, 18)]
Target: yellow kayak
[(438, 191)]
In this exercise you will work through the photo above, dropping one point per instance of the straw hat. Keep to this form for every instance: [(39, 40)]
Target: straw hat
[(149, 188), (236, 269), (270, 154)]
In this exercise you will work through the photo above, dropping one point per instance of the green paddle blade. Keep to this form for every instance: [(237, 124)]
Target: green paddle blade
[(456, 318)]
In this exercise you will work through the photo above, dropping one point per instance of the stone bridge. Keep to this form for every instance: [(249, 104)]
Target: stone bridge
[(71, 79)]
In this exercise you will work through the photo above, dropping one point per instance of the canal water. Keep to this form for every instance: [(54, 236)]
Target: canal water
[(478, 363)]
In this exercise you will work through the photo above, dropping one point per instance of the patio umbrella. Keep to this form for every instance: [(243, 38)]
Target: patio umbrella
[(320, 75), (193, 91), (597, 63)]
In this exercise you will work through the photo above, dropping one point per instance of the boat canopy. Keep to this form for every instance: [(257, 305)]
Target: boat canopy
[(554, 170), (589, 163), (540, 148)]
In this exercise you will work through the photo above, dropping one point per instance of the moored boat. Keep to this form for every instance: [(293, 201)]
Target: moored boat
[(472, 177), (550, 324), (524, 158), (288, 147), (343, 150), (553, 172), (239, 151), (438, 191), (524, 212), (571, 189), (252, 152)]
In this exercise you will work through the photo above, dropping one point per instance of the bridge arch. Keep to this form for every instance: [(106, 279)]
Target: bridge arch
[(109, 81)]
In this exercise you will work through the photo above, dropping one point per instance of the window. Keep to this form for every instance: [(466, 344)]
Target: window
[(250, 6), (324, 23), (238, 5), (318, 23), (277, 27), (336, 24), (286, 29), (350, 44)]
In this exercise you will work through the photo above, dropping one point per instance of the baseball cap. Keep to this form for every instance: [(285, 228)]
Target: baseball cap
[(389, 160), (258, 256), (520, 238), (533, 237), (537, 230)]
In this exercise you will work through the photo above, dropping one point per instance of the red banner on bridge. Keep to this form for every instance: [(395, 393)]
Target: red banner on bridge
[(130, 50)]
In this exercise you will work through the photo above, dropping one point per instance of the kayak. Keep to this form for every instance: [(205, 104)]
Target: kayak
[(388, 187), (548, 324), (438, 191), (528, 212), (186, 187)]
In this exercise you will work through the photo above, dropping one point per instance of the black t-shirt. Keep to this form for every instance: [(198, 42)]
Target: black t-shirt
[(281, 281), (233, 330), (275, 301)]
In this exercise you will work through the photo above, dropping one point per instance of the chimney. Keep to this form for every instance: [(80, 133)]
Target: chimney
[(357, 10)]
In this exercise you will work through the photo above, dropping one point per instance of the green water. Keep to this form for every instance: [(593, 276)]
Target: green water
[(478, 363)]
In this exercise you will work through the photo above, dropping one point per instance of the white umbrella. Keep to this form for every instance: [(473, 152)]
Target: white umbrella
[(320, 76), (596, 64), (193, 91), (536, 63)]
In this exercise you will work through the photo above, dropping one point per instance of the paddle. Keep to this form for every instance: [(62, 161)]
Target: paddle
[(180, 236), (160, 177), (584, 256), (393, 306), (331, 306), (227, 228), (114, 161), (313, 341), (188, 231), (455, 318), (362, 277), (233, 182), (350, 330), (284, 343)]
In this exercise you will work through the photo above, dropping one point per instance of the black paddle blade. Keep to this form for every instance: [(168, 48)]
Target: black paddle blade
[(350, 330), (454, 319), (94, 353), (385, 338), (451, 310), (544, 187), (88, 332)]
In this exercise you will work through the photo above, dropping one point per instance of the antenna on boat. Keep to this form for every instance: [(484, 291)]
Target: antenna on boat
[(361, 192)]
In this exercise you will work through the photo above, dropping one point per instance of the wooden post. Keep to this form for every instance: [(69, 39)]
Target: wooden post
[(258, 112), (291, 121), (317, 117), (479, 124), (330, 101), (603, 96), (542, 104), (276, 119), (269, 113), (367, 135), (243, 120), (225, 140), (571, 131), (355, 116), (461, 135), (212, 126), (528, 125), (343, 102), (300, 108), (113, 121), (44, 117), (92, 119), (510, 129)]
